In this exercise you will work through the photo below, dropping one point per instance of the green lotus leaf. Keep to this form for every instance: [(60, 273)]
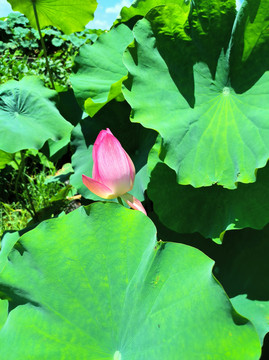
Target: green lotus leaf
[(14, 19), (56, 149), (255, 310), (5, 158), (99, 70), (211, 25), (135, 139), (61, 175), (67, 15), (20, 32), (256, 26), (211, 134), (3, 312), (170, 20), (250, 44), (52, 32), (28, 117), (68, 106), (57, 42), (219, 209), (102, 288), (241, 267), (142, 7)]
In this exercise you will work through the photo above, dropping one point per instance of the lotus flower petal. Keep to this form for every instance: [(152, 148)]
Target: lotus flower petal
[(112, 165), (133, 202), (97, 188), (113, 170)]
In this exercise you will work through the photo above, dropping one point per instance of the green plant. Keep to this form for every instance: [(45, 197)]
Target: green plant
[(183, 85), (142, 277), (29, 192), (13, 217), (21, 53)]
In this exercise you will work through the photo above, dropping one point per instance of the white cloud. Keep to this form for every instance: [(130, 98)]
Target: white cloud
[(5, 8), (117, 7), (238, 4), (98, 24)]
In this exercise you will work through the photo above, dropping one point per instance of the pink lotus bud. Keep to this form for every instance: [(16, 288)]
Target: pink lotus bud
[(113, 170)]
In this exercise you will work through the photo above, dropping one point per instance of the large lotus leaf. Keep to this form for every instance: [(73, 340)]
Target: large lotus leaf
[(99, 70), (242, 268), (67, 15), (135, 139), (213, 135), (102, 288), (250, 44), (28, 117), (177, 205), (195, 32), (142, 7), (169, 25)]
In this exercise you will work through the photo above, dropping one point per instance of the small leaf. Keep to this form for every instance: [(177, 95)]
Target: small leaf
[(28, 117), (57, 42), (5, 158)]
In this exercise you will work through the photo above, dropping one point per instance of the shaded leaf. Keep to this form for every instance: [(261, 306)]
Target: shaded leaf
[(219, 209), (241, 267), (62, 175), (250, 45), (211, 25), (68, 106)]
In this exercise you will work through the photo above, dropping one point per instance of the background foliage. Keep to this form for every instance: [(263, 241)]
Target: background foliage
[(21, 53), (184, 86)]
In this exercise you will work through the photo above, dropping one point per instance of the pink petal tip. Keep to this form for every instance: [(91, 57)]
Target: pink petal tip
[(133, 202)]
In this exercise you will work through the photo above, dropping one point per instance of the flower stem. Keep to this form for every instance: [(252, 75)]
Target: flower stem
[(20, 171), (33, 212), (120, 201), (21, 176), (43, 45)]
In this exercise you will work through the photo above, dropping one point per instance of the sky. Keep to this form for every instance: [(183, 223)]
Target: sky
[(105, 14)]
